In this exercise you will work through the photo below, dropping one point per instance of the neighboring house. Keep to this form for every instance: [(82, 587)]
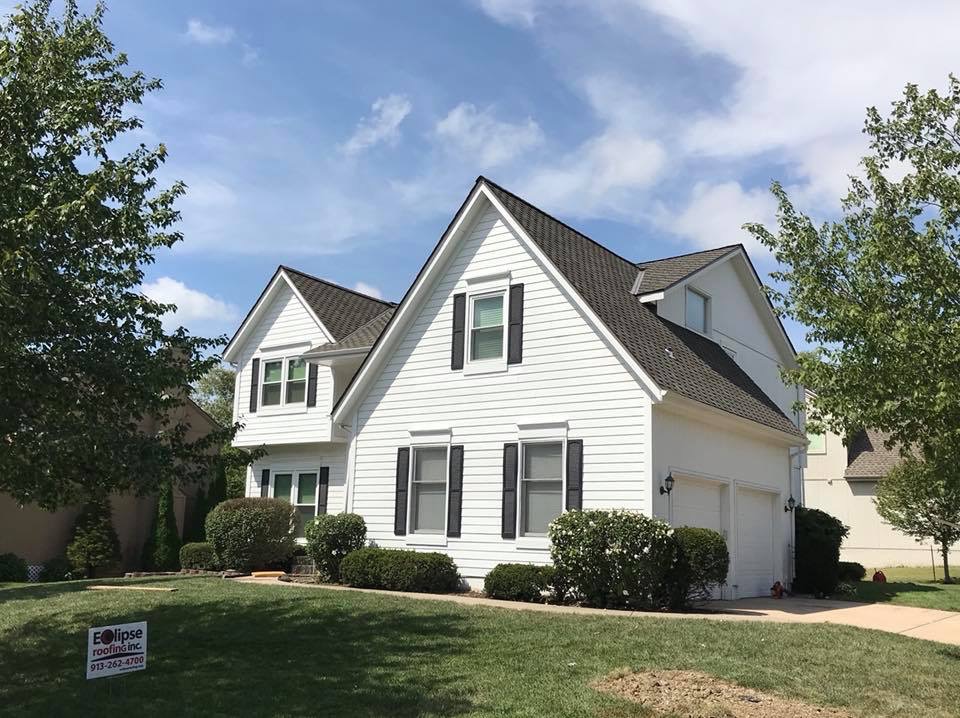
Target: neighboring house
[(37, 535), (842, 480), (527, 370)]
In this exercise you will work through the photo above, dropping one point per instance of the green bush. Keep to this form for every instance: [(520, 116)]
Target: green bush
[(57, 568), (819, 536), (12, 568), (198, 555), (613, 559), (94, 547), (399, 570), (851, 572), (330, 537), (518, 582), (251, 533), (704, 563), (161, 552)]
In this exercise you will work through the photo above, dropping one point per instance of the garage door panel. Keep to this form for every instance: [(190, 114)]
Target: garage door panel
[(698, 503), (755, 546)]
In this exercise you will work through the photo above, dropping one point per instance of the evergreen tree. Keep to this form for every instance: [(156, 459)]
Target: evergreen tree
[(94, 545), (162, 550)]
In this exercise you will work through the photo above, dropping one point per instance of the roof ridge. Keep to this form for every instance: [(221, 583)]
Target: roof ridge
[(643, 263), (481, 178), (336, 286)]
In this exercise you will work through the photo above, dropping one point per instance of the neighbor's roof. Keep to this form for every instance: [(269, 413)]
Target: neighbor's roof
[(676, 358), (363, 338), (868, 457), (343, 311), (661, 274)]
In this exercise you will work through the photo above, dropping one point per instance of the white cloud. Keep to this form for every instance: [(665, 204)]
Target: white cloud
[(368, 289), (477, 136), (383, 124), (200, 32), (251, 55), (511, 12), (193, 306)]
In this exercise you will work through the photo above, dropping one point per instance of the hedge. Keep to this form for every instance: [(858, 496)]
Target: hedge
[(12, 568), (198, 555), (518, 582), (819, 536), (330, 537), (161, 552), (57, 568), (399, 570), (251, 533), (704, 563), (851, 571)]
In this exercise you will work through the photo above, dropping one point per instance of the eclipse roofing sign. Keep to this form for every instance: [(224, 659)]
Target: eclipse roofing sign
[(116, 649)]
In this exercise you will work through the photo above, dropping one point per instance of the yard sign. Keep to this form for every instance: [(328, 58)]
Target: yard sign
[(112, 650)]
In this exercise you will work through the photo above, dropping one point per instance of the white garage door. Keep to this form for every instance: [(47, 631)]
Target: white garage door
[(697, 503), (755, 559)]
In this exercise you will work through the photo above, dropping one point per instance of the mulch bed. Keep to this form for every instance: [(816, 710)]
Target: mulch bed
[(690, 694)]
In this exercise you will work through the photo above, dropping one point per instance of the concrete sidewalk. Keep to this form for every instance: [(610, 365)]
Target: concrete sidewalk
[(924, 623)]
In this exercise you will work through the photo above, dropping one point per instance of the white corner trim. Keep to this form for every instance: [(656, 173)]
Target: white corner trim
[(655, 297), (528, 430), (430, 435)]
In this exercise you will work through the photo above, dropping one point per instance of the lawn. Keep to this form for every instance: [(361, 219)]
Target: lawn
[(223, 648), (911, 586)]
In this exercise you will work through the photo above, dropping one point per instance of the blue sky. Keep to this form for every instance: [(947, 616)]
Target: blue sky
[(340, 138)]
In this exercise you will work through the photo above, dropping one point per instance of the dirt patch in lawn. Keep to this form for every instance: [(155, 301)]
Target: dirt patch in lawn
[(688, 694)]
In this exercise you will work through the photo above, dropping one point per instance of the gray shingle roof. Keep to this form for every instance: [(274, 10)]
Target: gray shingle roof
[(868, 457), (362, 338), (677, 359), (661, 274), (342, 311)]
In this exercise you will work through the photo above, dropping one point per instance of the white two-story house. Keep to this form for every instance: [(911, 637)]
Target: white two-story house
[(527, 371)]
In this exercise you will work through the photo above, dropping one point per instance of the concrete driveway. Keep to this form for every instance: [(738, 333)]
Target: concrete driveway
[(926, 623)]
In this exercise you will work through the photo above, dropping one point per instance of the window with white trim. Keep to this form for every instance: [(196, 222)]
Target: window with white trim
[(487, 331), (284, 382), (428, 490), (300, 489), (697, 311), (541, 486), (818, 443)]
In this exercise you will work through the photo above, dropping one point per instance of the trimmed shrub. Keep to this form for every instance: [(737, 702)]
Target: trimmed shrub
[(819, 536), (94, 547), (161, 552), (251, 533), (704, 563), (198, 555), (613, 559), (518, 582), (12, 568), (330, 537), (399, 570), (851, 572), (56, 569)]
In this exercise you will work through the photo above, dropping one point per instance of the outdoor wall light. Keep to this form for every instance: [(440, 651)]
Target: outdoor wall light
[(791, 504), (667, 485)]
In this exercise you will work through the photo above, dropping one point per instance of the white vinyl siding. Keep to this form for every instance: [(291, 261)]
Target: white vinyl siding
[(285, 329), (567, 372)]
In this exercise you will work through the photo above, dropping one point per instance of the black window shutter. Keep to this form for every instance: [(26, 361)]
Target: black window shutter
[(459, 324), (254, 383), (400, 507), (264, 483), (322, 489), (509, 527), (574, 475), (312, 384), (515, 337), (455, 503)]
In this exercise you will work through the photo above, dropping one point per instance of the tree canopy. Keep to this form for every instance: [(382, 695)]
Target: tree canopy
[(89, 378)]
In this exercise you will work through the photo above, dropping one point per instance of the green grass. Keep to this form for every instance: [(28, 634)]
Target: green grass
[(223, 648), (910, 586)]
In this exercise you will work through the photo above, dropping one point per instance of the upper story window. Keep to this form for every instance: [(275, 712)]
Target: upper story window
[(486, 327), (541, 487), (818, 444), (284, 382), (697, 311), (428, 490)]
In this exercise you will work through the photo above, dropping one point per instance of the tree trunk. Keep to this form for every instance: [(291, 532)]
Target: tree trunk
[(944, 550)]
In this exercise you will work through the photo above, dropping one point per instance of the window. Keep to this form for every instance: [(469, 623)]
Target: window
[(818, 443), (486, 327), (300, 489), (428, 490), (541, 487), (284, 387), (272, 385), (696, 316)]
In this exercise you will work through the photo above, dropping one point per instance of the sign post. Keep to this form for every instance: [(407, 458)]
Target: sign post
[(112, 650)]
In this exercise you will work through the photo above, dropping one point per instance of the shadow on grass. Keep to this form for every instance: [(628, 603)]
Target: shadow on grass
[(883, 592), (288, 654)]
